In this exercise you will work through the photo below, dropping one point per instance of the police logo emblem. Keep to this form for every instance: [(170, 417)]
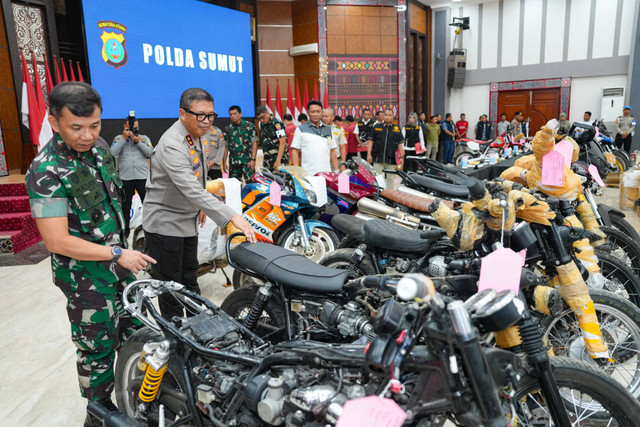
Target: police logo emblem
[(114, 52)]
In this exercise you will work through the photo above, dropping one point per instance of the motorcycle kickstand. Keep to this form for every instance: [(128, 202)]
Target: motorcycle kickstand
[(228, 284)]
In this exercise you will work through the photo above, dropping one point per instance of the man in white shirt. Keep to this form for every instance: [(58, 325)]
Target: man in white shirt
[(586, 119), (337, 133), (313, 147)]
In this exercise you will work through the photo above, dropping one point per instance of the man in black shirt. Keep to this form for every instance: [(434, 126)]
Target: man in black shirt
[(383, 144)]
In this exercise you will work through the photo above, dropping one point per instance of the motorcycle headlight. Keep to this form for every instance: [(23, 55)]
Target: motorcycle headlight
[(311, 195)]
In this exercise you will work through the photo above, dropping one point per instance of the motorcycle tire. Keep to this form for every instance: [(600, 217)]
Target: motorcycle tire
[(272, 321), (458, 159), (240, 279), (323, 241), (623, 248), (128, 379), (342, 259), (576, 381), (618, 222), (619, 278), (622, 162), (620, 326)]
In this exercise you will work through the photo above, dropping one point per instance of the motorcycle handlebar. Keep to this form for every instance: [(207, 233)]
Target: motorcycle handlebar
[(377, 282)]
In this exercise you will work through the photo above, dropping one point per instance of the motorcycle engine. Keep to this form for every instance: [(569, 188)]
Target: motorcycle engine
[(437, 266), (304, 396), (347, 322)]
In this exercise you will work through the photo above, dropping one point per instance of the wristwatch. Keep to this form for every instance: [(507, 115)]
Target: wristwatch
[(116, 252)]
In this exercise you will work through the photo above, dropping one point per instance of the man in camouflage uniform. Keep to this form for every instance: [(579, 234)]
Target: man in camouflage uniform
[(215, 150), (273, 139), (242, 143), (75, 196)]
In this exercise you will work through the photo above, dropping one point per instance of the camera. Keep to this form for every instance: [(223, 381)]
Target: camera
[(131, 120)]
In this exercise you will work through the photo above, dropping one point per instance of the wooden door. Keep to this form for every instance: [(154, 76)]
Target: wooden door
[(539, 105)]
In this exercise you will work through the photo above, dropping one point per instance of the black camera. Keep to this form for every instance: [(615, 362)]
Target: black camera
[(131, 120)]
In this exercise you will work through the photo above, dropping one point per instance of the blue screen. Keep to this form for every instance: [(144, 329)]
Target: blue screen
[(144, 54)]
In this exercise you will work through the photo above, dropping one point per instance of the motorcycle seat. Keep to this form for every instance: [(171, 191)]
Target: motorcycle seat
[(385, 235), (348, 225), (453, 190), (288, 268)]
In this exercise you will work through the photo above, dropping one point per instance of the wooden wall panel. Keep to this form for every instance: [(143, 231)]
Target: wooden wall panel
[(9, 112), (274, 13), (305, 31), (418, 19), (362, 30), (275, 38)]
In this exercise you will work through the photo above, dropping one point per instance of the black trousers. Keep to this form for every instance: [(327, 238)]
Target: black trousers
[(177, 260), (626, 142), (130, 187)]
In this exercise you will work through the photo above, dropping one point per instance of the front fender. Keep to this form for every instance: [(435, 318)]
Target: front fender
[(605, 213), (309, 225)]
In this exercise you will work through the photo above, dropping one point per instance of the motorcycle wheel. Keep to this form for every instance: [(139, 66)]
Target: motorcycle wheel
[(342, 259), (620, 326), (621, 161), (238, 304), (590, 397), (458, 159), (618, 222), (128, 379), (623, 248), (240, 279), (619, 278), (322, 241)]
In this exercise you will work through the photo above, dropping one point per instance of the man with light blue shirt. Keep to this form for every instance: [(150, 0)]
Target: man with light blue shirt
[(132, 150)]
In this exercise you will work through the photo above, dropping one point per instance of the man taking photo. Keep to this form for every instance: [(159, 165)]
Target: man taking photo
[(132, 150)]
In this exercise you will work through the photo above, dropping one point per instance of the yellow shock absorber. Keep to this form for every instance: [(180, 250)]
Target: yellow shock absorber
[(508, 338), (574, 291), (151, 384), (156, 364)]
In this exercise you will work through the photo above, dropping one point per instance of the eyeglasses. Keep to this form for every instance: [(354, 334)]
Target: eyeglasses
[(202, 117)]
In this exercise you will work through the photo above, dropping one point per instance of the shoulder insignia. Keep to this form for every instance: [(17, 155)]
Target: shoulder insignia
[(395, 128), (189, 140), (278, 126)]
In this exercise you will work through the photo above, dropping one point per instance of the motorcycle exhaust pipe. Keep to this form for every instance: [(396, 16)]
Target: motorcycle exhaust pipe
[(380, 210)]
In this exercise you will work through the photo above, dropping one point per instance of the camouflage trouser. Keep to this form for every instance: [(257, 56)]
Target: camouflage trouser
[(99, 325), (240, 171), (270, 158)]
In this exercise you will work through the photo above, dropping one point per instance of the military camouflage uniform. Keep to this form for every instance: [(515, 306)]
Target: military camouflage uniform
[(240, 139), (86, 189), (269, 136)]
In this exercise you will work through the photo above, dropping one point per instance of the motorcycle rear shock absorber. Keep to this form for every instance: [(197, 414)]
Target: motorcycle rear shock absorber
[(156, 365), (263, 295)]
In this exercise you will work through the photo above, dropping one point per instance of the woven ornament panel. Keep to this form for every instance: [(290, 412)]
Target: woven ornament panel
[(356, 82)]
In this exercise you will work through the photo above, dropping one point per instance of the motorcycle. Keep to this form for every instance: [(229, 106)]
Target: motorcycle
[(208, 369), (478, 152)]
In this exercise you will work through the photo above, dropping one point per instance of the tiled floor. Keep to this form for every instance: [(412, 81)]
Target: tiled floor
[(38, 385)]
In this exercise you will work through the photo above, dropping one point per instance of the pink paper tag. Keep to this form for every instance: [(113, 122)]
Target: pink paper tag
[(274, 194), (522, 141), (225, 175), (343, 183), (371, 411), (597, 132), (566, 149), (501, 270), (419, 148), (523, 254), (593, 170), (552, 169)]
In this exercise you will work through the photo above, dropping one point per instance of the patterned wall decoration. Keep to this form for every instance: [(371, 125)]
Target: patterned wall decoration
[(30, 34), (4, 169), (356, 82), (564, 83)]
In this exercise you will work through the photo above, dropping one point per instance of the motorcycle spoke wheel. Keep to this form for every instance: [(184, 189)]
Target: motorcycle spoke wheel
[(620, 329), (619, 278), (589, 398)]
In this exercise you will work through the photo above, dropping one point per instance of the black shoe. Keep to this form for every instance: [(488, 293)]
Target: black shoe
[(91, 421)]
